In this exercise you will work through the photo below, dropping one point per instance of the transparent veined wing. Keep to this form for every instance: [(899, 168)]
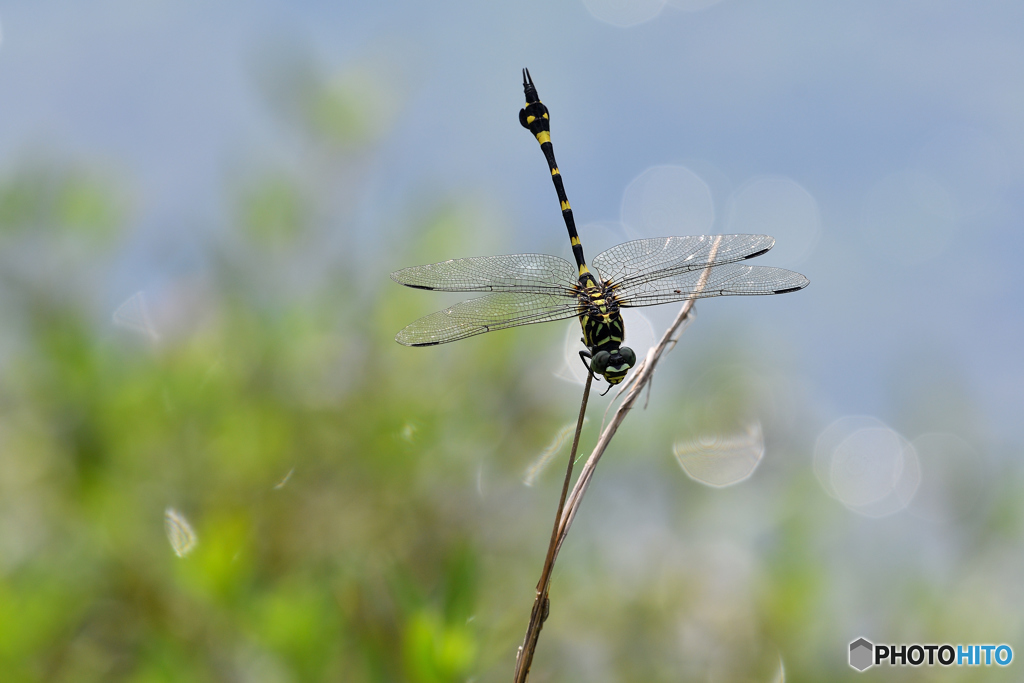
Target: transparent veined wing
[(536, 273), (726, 280), (632, 263), (488, 313)]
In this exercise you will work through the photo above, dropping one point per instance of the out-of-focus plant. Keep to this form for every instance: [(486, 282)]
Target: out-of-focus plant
[(329, 573), (45, 196), (357, 507)]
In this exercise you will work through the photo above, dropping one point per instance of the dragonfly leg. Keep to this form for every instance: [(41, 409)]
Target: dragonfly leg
[(598, 362), (584, 355)]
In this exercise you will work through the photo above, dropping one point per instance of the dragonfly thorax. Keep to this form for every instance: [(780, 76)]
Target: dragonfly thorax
[(603, 330)]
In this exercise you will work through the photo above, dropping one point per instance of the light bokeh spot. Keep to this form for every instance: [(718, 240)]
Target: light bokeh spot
[(692, 5), (722, 460), (409, 430), (866, 465), (668, 200), (624, 13), (779, 207), (830, 438), (134, 315), (179, 532)]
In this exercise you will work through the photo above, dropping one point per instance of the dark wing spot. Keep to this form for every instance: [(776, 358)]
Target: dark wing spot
[(756, 254)]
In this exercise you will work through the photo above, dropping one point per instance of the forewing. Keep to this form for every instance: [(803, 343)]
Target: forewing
[(492, 312), (536, 273), (728, 280), (632, 263)]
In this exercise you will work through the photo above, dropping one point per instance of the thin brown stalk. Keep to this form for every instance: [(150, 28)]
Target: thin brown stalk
[(540, 603), (633, 390), (567, 513)]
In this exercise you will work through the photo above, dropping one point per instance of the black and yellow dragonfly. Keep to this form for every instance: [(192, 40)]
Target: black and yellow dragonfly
[(522, 289)]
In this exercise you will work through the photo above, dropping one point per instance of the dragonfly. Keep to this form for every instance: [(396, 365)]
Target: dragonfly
[(523, 289)]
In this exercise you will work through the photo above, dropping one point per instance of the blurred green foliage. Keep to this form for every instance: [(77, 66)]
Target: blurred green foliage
[(358, 505), (273, 210), (45, 196)]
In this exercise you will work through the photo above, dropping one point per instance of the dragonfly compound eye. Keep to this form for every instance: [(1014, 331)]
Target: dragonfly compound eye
[(628, 357), (600, 362)]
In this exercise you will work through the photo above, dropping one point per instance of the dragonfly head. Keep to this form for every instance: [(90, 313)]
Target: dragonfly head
[(613, 365)]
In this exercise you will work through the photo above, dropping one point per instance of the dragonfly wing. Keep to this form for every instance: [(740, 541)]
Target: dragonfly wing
[(728, 280), (488, 313), (536, 273), (639, 261)]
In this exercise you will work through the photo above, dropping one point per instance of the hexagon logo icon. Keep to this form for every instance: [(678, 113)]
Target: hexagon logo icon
[(861, 651)]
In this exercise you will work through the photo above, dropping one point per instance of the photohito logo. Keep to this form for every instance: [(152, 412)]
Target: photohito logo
[(865, 654)]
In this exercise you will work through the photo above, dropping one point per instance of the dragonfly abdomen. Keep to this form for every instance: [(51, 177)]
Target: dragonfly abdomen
[(534, 117)]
